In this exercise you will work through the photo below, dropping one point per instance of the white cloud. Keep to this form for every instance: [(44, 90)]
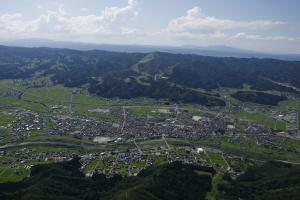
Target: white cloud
[(13, 23), (112, 25), (132, 31), (243, 35), (114, 13), (58, 22), (198, 27), (195, 20)]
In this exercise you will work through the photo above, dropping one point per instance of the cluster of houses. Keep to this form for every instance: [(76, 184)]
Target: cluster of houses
[(133, 127), (130, 127), (131, 162)]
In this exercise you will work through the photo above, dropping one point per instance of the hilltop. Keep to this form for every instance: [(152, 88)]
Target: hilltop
[(175, 77)]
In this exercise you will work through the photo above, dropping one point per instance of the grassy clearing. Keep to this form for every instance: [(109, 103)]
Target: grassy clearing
[(94, 164), (17, 171), (290, 104), (263, 119), (160, 160), (138, 164), (259, 152), (217, 159), (287, 143), (82, 110), (202, 156), (7, 137), (40, 100), (62, 95), (6, 119), (141, 111), (17, 103), (250, 149), (57, 94), (13, 174)]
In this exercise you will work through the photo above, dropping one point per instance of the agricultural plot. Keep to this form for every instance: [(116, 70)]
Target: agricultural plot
[(13, 174), (263, 119)]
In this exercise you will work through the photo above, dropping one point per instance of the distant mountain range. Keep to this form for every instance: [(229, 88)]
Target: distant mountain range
[(216, 51), (172, 77)]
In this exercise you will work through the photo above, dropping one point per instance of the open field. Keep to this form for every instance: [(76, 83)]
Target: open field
[(263, 119), (13, 174)]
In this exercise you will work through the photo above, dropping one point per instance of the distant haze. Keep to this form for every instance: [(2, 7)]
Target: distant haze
[(216, 51), (258, 25)]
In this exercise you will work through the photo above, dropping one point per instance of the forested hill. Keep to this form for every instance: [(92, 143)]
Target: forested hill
[(175, 77), (174, 181), (64, 181)]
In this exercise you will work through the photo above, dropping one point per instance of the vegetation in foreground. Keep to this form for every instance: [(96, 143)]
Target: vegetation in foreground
[(65, 181), (272, 180)]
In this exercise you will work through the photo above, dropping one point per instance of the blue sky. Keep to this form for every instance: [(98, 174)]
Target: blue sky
[(261, 25)]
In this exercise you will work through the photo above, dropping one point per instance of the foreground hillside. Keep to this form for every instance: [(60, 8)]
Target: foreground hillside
[(176, 77), (65, 181), (272, 180)]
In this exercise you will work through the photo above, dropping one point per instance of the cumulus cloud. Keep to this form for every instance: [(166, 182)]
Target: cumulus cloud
[(55, 22), (132, 31), (13, 23), (112, 25), (114, 13), (195, 25), (243, 35), (196, 20)]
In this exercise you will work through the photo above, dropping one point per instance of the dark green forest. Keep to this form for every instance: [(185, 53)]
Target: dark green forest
[(259, 97), (272, 180), (174, 77), (65, 181)]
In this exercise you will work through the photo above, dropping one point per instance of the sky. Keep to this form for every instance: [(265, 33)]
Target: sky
[(261, 25)]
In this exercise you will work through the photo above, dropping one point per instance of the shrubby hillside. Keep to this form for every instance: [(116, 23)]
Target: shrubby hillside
[(259, 97), (174, 77), (65, 181), (272, 180)]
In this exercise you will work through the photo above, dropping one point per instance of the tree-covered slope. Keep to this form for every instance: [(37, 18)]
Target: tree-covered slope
[(272, 180), (175, 77), (259, 97), (174, 181), (65, 181)]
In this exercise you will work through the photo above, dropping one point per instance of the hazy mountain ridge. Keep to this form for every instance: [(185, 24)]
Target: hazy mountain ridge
[(217, 51)]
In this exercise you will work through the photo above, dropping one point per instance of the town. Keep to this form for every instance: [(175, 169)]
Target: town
[(139, 137)]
